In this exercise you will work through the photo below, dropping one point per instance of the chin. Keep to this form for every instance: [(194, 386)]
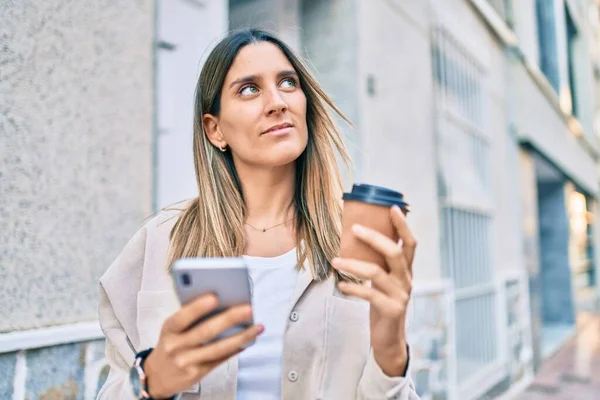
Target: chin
[(283, 155)]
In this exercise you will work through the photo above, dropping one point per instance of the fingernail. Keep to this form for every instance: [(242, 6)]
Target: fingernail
[(260, 329), (397, 208), (342, 285), (336, 260), (212, 300)]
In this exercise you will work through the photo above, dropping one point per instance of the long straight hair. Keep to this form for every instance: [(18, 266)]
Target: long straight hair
[(212, 225)]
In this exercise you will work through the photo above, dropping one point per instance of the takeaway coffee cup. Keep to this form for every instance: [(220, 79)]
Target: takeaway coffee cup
[(369, 206)]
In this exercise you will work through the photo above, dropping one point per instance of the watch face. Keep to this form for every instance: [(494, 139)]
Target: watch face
[(136, 383)]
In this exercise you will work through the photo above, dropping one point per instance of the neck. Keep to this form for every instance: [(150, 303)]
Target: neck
[(269, 194)]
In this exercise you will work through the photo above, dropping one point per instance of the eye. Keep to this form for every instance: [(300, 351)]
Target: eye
[(248, 90), (289, 83)]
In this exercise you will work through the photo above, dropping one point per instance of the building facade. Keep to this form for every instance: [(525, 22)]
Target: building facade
[(484, 113)]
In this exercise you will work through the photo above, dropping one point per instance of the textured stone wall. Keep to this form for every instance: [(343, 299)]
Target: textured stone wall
[(66, 372), (7, 374), (75, 149)]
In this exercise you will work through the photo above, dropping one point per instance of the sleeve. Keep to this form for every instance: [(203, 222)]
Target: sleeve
[(117, 313), (376, 385)]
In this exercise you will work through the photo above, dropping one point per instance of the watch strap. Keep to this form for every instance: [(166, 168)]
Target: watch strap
[(141, 356), (140, 359)]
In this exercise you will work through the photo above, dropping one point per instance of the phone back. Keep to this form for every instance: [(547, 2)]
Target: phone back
[(227, 278)]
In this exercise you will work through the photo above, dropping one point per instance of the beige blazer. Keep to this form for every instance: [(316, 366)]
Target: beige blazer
[(326, 351)]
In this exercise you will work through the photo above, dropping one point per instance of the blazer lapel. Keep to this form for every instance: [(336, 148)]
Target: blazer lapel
[(303, 281)]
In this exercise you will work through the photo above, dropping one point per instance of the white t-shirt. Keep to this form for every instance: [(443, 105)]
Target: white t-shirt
[(273, 281)]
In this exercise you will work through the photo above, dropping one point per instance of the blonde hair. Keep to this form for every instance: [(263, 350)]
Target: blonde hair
[(212, 225)]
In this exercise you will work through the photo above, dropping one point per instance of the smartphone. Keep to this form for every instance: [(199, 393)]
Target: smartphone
[(226, 277)]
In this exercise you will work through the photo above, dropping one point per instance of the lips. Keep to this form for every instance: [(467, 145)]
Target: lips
[(277, 127)]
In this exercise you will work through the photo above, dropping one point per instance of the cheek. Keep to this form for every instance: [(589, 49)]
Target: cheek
[(239, 124), (299, 107)]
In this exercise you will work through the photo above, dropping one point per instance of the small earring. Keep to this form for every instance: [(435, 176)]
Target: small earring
[(223, 149)]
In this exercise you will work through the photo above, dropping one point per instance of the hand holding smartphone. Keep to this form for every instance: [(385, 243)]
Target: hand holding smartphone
[(227, 278), (213, 324)]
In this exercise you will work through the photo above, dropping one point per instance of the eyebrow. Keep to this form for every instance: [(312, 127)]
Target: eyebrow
[(252, 78)]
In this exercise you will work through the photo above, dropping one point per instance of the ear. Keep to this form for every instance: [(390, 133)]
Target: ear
[(210, 123)]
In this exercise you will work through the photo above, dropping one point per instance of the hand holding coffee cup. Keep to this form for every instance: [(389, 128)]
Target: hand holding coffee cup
[(369, 206), (378, 246)]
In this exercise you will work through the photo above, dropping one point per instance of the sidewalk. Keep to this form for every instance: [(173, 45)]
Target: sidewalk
[(574, 372)]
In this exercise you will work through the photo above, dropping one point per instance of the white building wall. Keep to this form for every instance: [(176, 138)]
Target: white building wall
[(187, 31), (525, 27), (397, 132), (281, 16), (330, 46), (541, 113), (539, 122), (459, 17)]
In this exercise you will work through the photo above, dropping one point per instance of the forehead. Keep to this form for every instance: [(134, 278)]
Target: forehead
[(258, 59)]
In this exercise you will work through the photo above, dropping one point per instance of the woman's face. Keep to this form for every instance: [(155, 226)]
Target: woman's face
[(263, 109)]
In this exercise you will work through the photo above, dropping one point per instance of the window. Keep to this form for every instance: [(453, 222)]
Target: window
[(464, 184), (571, 40), (548, 57)]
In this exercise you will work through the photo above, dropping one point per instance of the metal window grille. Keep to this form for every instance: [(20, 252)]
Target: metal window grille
[(466, 227)]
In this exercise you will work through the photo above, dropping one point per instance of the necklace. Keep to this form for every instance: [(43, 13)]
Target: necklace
[(270, 227)]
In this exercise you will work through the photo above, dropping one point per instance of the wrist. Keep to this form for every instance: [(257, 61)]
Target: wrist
[(394, 363), (153, 386), (143, 378)]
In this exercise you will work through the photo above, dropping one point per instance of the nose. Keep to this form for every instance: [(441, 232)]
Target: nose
[(275, 104)]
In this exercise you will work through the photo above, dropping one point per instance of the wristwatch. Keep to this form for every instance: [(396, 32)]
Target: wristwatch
[(139, 380), (137, 376)]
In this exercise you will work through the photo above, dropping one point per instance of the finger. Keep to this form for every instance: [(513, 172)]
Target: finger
[(224, 348), (385, 305), (209, 366), (215, 325), (409, 243), (201, 369), (190, 313), (365, 270), (390, 250)]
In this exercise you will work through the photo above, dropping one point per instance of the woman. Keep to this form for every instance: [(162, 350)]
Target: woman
[(270, 189)]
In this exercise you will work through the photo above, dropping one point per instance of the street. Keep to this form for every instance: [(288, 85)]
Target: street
[(574, 372)]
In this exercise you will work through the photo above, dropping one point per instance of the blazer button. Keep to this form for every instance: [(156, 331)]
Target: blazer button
[(292, 376), (294, 316)]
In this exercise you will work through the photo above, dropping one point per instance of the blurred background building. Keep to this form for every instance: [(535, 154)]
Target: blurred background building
[(485, 113)]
